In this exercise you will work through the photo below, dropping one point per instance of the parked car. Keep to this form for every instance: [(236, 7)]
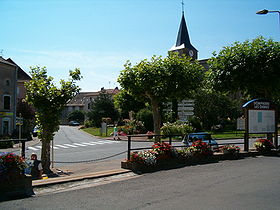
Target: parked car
[(35, 131), (74, 123), (204, 136)]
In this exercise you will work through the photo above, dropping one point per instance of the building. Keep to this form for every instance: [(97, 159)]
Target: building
[(12, 90), (183, 44), (22, 77), (184, 47), (82, 102), (8, 96)]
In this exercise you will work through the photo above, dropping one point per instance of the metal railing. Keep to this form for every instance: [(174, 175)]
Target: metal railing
[(17, 140), (170, 140)]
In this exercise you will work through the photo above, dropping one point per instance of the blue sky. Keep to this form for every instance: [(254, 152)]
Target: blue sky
[(98, 36)]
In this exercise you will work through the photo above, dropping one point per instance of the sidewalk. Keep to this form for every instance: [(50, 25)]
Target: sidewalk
[(80, 171), (77, 171)]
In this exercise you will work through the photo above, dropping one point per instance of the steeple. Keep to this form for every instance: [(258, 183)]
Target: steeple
[(183, 44)]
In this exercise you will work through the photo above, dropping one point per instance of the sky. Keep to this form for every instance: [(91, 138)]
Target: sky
[(99, 36)]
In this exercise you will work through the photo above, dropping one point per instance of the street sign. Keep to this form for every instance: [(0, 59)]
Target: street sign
[(19, 121)]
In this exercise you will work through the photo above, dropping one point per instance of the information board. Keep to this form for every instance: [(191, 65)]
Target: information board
[(261, 121)]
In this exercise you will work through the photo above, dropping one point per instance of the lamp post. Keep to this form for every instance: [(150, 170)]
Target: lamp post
[(265, 11)]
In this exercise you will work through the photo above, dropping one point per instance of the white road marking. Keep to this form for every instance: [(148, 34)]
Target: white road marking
[(89, 143), (82, 145), (73, 145), (70, 145), (62, 146), (98, 142), (32, 148)]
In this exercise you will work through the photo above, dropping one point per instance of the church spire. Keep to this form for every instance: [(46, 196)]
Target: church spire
[(183, 44)]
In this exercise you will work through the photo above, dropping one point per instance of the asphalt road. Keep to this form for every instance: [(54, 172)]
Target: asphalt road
[(251, 183), (72, 145)]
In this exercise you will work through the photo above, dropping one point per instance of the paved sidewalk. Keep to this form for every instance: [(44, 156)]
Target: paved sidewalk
[(75, 172), (80, 171)]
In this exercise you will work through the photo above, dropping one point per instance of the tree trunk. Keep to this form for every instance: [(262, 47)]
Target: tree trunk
[(174, 110), (45, 156), (156, 118)]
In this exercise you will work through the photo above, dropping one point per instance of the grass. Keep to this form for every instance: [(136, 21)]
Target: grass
[(96, 131), (227, 134), (215, 135)]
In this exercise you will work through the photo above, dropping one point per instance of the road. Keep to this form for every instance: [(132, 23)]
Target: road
[(250, 183), (73, 145)]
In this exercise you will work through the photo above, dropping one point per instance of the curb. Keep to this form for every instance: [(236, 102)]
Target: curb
[(62, 180)]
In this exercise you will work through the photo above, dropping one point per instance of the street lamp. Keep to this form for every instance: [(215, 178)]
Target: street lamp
[(265, 11)]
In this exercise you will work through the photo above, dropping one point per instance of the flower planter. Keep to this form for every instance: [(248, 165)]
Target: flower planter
[(15, 185), (164, 164)]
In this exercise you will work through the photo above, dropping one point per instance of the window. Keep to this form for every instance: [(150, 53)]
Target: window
[(7, 83), (7, 102)]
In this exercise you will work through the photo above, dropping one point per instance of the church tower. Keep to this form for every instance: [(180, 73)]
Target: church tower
[(183, 44)]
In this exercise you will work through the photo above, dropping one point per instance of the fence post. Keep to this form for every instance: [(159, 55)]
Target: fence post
[(23, 149), (128, 147), (170, 140), (246, 142)]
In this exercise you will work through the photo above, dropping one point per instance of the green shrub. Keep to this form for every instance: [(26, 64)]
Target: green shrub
[(133, 127), (196, 123), (88, 124), (177, 128), (5, 145), (146, 116)]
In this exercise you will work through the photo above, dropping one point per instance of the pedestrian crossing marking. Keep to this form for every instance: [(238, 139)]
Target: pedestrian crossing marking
[(90, 143), (73, 145), (32, 148), (62, 146), (70, 145), (82, 145)]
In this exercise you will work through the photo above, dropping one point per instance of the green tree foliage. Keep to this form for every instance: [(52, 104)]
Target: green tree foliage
[(249, 67), (146, 116), (126, 103), (27, 112), (77, 115), (102, 107), (161, 79), (48, 101), (213, 108)]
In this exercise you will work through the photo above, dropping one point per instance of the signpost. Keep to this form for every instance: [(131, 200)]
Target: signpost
[(19, 122), (260, 117)]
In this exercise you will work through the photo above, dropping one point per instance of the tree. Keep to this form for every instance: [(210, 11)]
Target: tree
[(161, 79), (213, 108), (48, 101), (102, 107), (27, 112), (127, 103), (77, 115), (249, 67)]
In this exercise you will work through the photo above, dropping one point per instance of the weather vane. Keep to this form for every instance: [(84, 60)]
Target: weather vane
[(183, 6)]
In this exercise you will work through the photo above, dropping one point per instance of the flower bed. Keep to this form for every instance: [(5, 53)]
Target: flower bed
[(13, 182), (229, 149), (263, 146), (164, 156)]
